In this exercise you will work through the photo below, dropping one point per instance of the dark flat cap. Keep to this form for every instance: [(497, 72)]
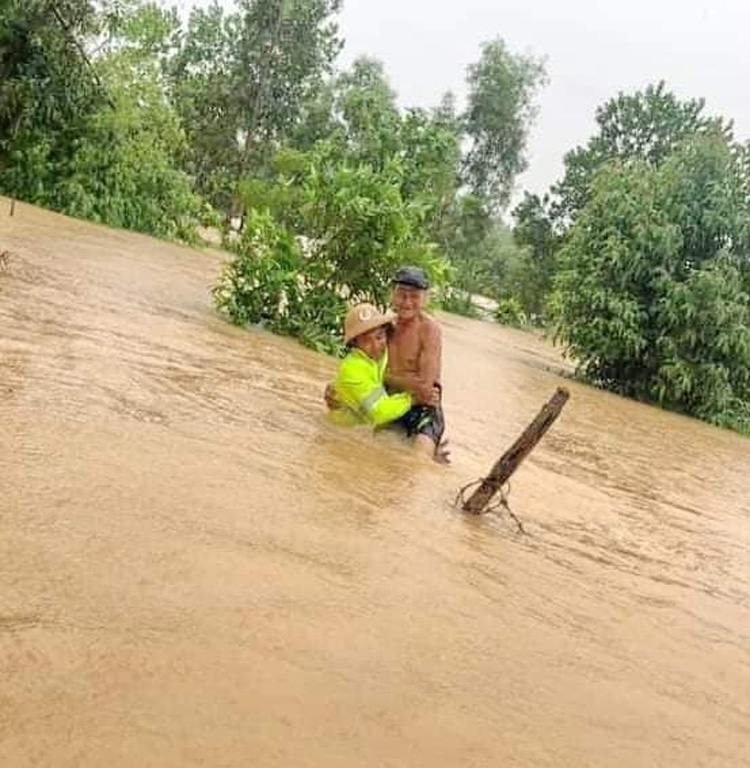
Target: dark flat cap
[(413, 276)]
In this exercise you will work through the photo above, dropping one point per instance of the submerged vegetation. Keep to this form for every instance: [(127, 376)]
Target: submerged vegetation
[(637, 260)]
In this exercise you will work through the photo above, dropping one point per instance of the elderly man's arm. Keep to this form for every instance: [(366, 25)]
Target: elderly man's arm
[(432, 354)]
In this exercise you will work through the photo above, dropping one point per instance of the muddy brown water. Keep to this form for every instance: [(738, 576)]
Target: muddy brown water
[(196, 570)]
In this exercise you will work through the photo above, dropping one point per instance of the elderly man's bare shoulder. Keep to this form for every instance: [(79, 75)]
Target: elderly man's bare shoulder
[(429, 329)]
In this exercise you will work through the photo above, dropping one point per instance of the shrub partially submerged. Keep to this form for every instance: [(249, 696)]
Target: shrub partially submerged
[(270, 282), (356, 229)]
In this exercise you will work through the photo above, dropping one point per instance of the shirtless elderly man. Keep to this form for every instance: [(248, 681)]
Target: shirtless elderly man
[(414, 358)]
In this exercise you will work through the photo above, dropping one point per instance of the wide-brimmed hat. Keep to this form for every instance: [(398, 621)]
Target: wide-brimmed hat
[(411, 276), (362, 318)]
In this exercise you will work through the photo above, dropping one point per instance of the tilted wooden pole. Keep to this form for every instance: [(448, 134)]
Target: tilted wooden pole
[(509, 462)]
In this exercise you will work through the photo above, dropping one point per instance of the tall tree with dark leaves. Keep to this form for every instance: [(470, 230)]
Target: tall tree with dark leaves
[(650, 298), (646, 126), (47, 84)]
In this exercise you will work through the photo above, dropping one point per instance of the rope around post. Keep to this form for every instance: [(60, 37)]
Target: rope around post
[(497, 506)]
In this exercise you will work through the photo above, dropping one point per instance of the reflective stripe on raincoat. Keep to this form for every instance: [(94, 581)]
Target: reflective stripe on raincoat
[(360, 389)]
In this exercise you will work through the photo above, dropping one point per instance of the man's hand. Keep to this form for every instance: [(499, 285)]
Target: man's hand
[(428, 394), (423, 393), (332, 402)]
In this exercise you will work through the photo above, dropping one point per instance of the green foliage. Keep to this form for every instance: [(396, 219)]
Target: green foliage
[(364, 125), (241, 82), (640, 130), (500, 110), (284, 49), (430, 154), (646, 126), (108, 151), (42, 72), (357, 219), (201, 77), (534, 232), (510, 312), (458, 302), (270, 282), (487, 260), (322, 232), (125, 172), (116, 164), (705, 346), (652, 295), (142, 27), (254, 285), (46, 86), (365, 117)]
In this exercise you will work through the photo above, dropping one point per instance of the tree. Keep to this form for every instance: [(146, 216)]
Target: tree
[(357, 113), (534, 231), (317, 121), (646, 126), (241, 82), (284, 50), (141, 26), (124, 170), (47, 85), (485, 260), (467, 245), (430, 151), (99, 137), (499, 114), (650, 298), (705, 346), (201, 80), (365, 112)]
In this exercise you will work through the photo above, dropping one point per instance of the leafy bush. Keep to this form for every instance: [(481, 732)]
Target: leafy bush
[(458, 302), (327, 233), (705, 346), (652, 297), (510, 312), (270, 282), (117, 164)]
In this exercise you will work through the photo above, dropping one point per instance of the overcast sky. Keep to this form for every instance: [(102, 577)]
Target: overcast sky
[(593, 48)]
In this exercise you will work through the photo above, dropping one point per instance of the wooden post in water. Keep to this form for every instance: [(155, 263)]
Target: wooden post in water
[(509, 462), (12, 205)]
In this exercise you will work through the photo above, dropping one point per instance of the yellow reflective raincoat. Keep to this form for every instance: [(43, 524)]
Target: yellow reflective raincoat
[(360, 390)]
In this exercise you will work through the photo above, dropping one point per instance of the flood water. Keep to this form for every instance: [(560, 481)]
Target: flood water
[(196, 570)]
